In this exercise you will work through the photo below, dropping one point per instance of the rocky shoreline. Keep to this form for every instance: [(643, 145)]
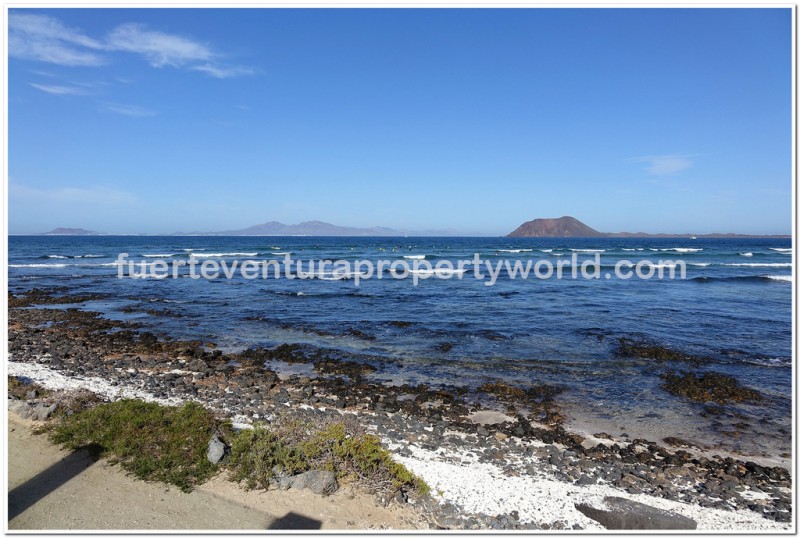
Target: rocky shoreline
[(513, 469)]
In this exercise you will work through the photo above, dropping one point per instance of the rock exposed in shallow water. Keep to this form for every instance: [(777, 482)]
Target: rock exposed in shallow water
[(644, 350), (622, 514), (711, 387)]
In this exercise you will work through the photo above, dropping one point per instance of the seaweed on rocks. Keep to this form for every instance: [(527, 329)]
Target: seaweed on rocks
[(710, 387), (434, 418), (644, 350), (38, 296)]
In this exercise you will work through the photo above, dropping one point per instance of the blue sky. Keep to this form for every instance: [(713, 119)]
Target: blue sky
[(159, 120)]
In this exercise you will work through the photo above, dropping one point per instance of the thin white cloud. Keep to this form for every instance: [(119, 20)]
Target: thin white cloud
[(73, 195), (46, 39), (158, 48), (129, 110), (59, 90), (219, 71), (664, 165), (43, 73)]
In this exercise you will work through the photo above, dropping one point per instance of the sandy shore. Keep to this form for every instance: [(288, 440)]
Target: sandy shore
[(519, 470), (51, 488), (457, 477)]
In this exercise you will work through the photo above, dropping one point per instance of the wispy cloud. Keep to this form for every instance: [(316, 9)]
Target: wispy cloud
[(46, 39), (218, 71), (664, 165), (73, 195), (160, 49), (47, 74), (59, 90), (129, 110)]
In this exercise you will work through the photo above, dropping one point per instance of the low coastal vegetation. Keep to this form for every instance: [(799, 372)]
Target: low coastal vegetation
[(292, 446), (151, 441), (169, 444), (331, 385)]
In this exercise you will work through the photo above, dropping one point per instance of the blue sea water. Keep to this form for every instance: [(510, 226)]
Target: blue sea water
[(734, 307)]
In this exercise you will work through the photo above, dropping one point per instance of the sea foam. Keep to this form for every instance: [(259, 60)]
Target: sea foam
[(758, 264), (223, 254), (781, 278)]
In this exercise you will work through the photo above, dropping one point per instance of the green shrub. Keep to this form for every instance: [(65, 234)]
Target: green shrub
[(339, 445), (168, 444), (151, 441)]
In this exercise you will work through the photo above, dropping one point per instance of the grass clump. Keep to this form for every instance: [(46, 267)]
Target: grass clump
[(340, 445), (151, 441)]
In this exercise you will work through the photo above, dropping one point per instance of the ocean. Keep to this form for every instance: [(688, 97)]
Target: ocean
[(733, 310)]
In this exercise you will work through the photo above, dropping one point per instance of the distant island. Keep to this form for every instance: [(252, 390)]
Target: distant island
[(319, 229), (71, 231), (571, 227), (561, 227)]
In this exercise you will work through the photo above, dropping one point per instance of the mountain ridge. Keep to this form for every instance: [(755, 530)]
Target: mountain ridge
[(320, 229), (71, 231), (567, 226)]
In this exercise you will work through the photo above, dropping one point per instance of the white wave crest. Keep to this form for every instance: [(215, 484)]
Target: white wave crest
[(514, 250), (331, 275), (781, 278), (415, 257), (588, 249), (38, 265), (758, 264), (223, 254), (437, 272), (747, 254), (158, 255)]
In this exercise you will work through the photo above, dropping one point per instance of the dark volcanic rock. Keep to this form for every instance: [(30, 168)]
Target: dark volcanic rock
[(622, 514), (644, 350), (711, 387), (561, 227)]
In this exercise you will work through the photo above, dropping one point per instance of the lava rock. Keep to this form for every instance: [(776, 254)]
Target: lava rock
[(622, 514)]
